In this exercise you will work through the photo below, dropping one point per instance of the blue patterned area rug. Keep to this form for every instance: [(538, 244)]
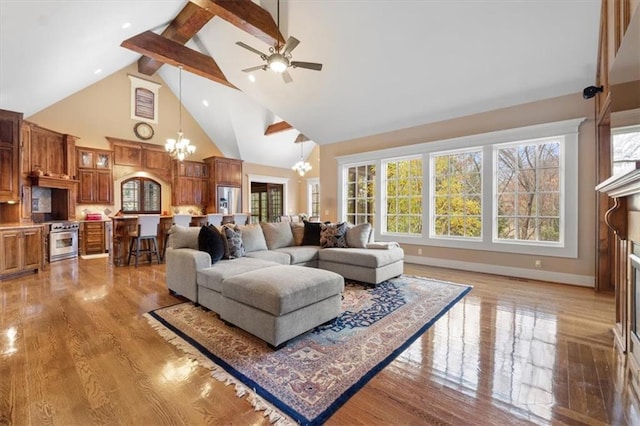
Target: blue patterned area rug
[(316, 373)]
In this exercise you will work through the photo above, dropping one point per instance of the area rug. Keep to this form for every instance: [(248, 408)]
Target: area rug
[(309, 379)]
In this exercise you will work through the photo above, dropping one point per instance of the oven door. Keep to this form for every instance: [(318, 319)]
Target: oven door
[(63, 245)]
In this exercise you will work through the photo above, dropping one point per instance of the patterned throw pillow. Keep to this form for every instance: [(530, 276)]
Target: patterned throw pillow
[(333, 235), (234, 241)]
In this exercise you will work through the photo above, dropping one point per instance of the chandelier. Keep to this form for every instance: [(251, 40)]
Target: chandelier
[(181, 147), (301, 166)]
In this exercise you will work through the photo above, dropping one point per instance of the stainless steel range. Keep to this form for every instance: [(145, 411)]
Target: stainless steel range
[(63, 240)]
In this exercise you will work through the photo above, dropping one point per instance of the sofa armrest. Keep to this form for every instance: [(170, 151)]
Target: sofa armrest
[(182, 265)]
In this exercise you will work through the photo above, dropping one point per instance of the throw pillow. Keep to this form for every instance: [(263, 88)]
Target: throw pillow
[(210, 240), (333, 235), (277, 234), (253, 238), (182, 237), (234, 239), (297, 228), (311, 236), (358, 235)]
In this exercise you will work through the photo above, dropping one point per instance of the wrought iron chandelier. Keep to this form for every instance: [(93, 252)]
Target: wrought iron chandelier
[(181, 147)]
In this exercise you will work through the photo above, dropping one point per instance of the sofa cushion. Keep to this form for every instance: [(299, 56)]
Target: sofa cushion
[(253, 238), (282, 289), (210, 240), (369, 258), (311, 235), (300, 254), (297, 229), (358, 235), (212, 278), (234, 242), (277, 234), (333, 235), (271, 256), (183, 237)]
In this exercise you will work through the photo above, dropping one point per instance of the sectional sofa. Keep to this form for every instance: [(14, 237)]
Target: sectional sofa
[(281, 287)]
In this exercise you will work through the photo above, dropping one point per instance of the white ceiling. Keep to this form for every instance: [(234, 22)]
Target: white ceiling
[(388, 64)]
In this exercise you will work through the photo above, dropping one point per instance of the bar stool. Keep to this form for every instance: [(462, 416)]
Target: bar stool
[(240, 219), (214, 219), (147, 231), (178, 219)]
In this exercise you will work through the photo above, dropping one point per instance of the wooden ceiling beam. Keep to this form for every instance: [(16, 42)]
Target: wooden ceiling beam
[(168, 51), (182, 29), (280, 126), (247, 16)]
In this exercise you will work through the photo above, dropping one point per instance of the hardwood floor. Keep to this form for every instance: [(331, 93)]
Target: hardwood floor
[(75, 350)]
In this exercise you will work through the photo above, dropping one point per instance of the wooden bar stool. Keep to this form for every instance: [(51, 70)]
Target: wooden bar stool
[(146, 234)]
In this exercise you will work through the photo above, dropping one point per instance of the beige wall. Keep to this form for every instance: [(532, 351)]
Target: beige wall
[(273, 172), (104, 109), (550, 110), (314, 160)]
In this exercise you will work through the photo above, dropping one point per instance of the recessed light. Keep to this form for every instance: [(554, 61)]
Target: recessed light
[(252, 78), (98, 71), (205, 102), (126, 25)]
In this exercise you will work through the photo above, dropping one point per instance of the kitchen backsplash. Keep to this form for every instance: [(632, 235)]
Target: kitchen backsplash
[(40, 200)]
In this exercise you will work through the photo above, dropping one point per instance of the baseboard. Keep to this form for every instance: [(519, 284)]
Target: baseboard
[(510, 271), (94, 256)]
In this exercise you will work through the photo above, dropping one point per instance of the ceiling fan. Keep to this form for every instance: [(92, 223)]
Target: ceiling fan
[(279, 58)]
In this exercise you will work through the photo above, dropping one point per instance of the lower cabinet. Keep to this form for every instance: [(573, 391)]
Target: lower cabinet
[(93, 238), (20, 251)]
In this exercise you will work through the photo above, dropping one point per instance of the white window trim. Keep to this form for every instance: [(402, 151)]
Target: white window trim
[(310, 183), (567, 128), (150, 85), (383, 205)]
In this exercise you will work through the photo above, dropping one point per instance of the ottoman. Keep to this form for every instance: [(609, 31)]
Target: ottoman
[(370, 266), (281, 302)]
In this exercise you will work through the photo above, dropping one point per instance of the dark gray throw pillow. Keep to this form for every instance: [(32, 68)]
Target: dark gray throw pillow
[(210, 240), (311, 236), (234, 241)]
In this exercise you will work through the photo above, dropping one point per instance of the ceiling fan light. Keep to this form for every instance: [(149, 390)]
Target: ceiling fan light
[(278, 63)]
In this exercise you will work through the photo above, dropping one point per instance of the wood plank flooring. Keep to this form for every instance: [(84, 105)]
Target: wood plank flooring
[(75, 350)]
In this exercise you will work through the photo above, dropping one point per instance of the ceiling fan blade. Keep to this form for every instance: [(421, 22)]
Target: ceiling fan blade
[(259, 67), (308, 65), (246, 46), (287, 77), (291, 44)]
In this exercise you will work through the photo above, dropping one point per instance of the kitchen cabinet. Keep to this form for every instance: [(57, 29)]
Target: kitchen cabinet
[(223, 172), (95, 176), (20, 251), (10, 124), (189, 183), (92, 237)]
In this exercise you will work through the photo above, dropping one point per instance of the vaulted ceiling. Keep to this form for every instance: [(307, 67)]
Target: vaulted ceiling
[(388, 64)]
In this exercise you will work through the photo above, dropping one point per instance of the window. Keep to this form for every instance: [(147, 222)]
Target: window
[(626, 149), (141, 195), (313, 195), (512, 191), (403, 183), (528, 191), (456, 185), (361, 194)]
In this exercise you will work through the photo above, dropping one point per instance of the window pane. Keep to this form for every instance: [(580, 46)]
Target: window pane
[(457, 184), (529, 209), (360, 197), (403, 182)]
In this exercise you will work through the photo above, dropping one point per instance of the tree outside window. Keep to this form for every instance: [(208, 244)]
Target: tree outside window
[(404, 196), (141, 195), (361, 194), (528, 192), (457, 194)]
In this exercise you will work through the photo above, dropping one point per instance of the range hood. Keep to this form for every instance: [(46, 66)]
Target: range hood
[(53, 182)]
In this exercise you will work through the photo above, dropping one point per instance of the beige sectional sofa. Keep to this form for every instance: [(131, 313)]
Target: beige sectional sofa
[(280, 288)]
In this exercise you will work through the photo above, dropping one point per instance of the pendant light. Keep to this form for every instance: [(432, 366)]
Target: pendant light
[(301, 166), (181, 147)]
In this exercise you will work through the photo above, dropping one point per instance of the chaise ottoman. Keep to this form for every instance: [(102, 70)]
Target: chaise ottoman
[(281, 302)]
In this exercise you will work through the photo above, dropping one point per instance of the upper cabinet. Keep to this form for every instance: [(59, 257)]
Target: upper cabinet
[(222, 172), (190, 183), (10, 123), (95, 176)]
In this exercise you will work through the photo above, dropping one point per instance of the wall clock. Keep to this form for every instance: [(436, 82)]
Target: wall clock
[(143, 131)]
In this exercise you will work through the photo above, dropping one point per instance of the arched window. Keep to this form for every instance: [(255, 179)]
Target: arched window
[(141, 195)]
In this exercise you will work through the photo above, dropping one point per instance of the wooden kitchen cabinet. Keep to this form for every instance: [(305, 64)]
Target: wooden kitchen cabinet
[(222, 172), (95, 176), (20, 251), (189, 183), (93, 237), (10, 124)]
